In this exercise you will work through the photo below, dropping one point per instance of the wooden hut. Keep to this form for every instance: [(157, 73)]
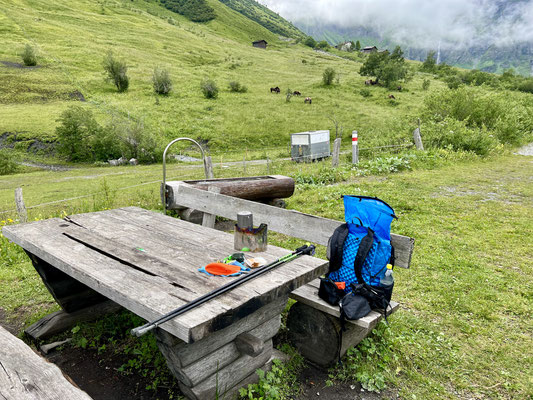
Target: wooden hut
[(369, 49)]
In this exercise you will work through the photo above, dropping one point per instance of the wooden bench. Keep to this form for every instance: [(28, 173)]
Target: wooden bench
[(25, 375), (320, 344)]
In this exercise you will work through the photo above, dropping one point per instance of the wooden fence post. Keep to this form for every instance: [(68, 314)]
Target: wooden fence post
[(21, 208), (209, 168), (418, 138), (355, 148), (336, 153)]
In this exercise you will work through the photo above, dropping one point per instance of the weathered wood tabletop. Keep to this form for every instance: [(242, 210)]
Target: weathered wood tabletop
[(148, 263)]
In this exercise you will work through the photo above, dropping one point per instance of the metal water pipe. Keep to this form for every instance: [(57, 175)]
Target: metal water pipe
[(164, 187)]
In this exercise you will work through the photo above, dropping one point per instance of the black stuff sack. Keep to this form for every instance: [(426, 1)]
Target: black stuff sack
[(353, 306), (329, 292)]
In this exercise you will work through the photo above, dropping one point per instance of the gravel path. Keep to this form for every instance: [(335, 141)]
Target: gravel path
[(527, 150)]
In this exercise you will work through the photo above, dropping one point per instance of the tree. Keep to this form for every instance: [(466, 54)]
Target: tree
[(322, 44), (429, 64), (77, 126), (357, 46), (387, 68), (116, 70), (309, 41)]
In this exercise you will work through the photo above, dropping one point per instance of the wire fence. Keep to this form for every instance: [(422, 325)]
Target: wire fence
[(247, 166)]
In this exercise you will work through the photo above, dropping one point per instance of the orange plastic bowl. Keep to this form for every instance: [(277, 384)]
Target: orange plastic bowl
[(222, 269)]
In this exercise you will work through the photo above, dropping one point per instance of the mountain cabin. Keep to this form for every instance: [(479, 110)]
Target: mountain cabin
[(369, 49), (262, 44)]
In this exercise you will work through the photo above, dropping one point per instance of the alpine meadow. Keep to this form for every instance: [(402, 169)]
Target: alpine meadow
[(87, 85)]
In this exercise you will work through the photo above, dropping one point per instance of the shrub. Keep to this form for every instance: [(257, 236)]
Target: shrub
[(195, 10), (425, 84), (309, 41), (453, 82), (161, 81), (322, 45), (328, 76), (236, 87), (209, 89), (116, 71), (29, 55), (365, 93), (526, 86), (288, 95), (77, 126), (7, 163)]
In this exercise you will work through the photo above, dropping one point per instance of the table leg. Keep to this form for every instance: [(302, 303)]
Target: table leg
[(225, 360), (70, 294)]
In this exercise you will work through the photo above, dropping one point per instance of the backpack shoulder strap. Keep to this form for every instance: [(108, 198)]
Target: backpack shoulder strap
[(336, 246), (362, 253)]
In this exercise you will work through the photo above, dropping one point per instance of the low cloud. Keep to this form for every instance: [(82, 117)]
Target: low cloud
[(453, 23)]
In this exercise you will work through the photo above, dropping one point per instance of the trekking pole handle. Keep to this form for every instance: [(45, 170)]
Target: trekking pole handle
[(141, 330), (306, 250)]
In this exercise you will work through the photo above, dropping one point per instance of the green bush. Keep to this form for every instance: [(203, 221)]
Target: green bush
[(453, 82), (116, 71), (209, 89), (309, 41), (429, 64), (425, 84), (526, 86), (365, 92), (7, 163), (29, 55), (74, 134), (236, 87), (161, 81), (323, 45), (328, 76)]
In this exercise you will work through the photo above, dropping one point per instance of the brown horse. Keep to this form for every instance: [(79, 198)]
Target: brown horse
[(296, 93), (275, 90), (308, 100)]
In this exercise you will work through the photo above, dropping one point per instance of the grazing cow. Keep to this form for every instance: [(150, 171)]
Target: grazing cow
[(296, 93), (308, 100), (370, 82), (275, 90), (391, 96), (399, 88)]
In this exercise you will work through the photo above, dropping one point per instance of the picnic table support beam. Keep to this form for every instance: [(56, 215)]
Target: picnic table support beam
[(222, 357), (69, 293)]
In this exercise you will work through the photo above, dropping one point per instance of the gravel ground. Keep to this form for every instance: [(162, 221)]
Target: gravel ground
[(527, 150)]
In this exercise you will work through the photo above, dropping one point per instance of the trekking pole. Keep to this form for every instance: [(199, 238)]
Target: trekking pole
[(300, 251)]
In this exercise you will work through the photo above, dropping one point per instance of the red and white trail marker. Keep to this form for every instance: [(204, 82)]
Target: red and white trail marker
[(355, 148)]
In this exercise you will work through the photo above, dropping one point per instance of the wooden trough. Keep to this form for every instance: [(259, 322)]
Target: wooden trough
[(269, 189)]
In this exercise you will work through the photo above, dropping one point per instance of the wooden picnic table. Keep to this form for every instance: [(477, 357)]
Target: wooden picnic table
[(148, 263)]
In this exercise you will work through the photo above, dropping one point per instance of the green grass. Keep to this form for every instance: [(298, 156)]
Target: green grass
[(463, 328)]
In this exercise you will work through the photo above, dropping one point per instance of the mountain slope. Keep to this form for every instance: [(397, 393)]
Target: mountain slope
[(265, 17)]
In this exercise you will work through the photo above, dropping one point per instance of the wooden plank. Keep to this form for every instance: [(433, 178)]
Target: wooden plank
[(276, 283), (226, 378), (147, 296), (60, 321), (290, 222), (308, 294), (186, 354), (26, 376), (208, 220), (201, 369)]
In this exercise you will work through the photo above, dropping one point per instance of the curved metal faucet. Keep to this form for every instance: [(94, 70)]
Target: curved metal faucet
[(164, 187)]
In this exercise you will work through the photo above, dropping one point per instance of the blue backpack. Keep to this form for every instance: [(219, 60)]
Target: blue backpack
[(360, 249)]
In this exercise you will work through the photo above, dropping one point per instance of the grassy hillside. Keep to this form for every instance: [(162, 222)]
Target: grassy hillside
[(73, 37)]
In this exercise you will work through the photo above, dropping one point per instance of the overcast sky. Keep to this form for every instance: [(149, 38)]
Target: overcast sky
[(454, 22)]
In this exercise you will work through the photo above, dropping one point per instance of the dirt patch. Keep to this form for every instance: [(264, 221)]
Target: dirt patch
[(10, 64), (12, 326), (314, 386), (98, 375)]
